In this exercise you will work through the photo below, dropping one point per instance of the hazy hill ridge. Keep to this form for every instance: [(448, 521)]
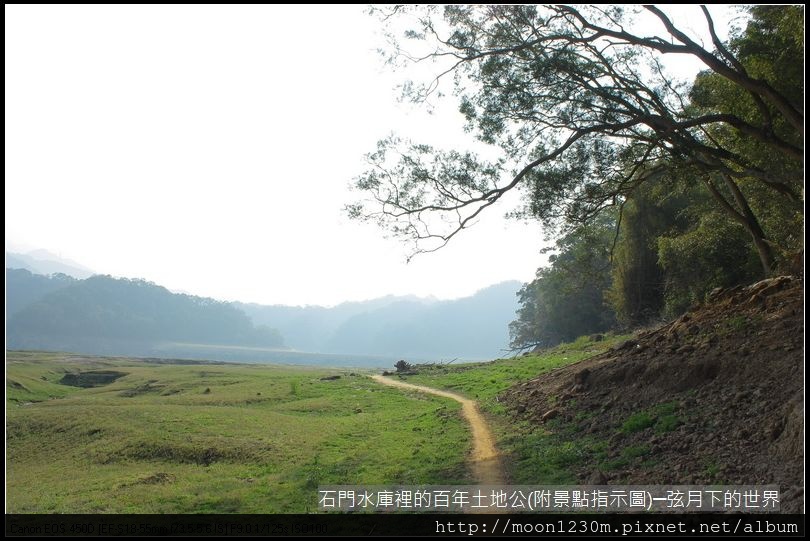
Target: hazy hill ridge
[(106, 315), (45, 262), (474, 327), (113, 315)]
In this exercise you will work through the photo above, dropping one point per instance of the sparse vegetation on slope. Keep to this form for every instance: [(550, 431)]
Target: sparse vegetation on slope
[(714, 397)]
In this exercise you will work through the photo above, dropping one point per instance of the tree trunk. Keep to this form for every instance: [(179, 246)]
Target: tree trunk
[(752, 225), (745, 216)]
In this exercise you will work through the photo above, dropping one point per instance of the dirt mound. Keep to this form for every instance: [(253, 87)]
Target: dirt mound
[(715, 397), (92, 378)]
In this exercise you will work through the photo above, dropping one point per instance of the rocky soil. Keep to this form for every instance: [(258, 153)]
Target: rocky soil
[(714, 397)]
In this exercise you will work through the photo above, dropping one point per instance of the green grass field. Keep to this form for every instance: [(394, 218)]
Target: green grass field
[(532, 454), (484, 381), (204, 438), (167, 437)]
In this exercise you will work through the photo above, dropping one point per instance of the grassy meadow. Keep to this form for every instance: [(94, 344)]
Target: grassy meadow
[(155, 436), (532, 454), (205, 438)]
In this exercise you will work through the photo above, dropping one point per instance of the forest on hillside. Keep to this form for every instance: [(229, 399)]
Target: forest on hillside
[(102, 314), (106, 315)]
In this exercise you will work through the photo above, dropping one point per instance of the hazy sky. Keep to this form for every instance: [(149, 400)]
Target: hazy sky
[(209, 149)]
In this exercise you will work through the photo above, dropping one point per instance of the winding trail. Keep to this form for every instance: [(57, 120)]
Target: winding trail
[(485, 461)]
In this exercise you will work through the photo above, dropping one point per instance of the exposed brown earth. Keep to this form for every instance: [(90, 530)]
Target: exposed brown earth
[(714, 397), (484, 462)]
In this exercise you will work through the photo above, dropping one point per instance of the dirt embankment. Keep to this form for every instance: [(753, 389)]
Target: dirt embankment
[(714, 397)]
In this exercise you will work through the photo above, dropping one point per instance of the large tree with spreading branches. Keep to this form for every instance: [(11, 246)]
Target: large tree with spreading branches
[(578, 102)]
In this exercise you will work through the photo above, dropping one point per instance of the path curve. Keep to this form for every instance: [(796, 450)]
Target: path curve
[(485, 460)]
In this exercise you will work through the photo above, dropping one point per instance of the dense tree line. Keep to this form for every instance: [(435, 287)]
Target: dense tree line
[(656, 191), (682, 235)]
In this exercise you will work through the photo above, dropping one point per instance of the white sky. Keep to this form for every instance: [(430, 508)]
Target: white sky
[(210, 148)]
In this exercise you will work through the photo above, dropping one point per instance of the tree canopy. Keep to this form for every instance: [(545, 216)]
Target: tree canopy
[(567, 299), (583, 113)]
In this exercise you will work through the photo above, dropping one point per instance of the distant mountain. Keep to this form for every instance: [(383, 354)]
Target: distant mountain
[(45, 262), (104, 315), (14, 262), (107, 315), (24, 288), (310, 328), (474, 327)]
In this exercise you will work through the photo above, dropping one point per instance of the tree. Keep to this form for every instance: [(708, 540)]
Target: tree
[(711, 253), (403, 366), (583, 113), (675, 246), (567, 299), (636, 290), (771, 48)]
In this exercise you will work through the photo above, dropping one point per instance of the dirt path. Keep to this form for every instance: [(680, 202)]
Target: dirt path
[(485, 462)]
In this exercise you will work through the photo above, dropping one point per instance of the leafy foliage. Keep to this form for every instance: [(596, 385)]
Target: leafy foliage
[(713, 253), (403, 366), (566, 299), (705, 180), (583, 113)]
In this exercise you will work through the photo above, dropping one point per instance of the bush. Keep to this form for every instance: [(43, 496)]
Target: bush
[(402, 366), (717, 253), (638, 422)]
